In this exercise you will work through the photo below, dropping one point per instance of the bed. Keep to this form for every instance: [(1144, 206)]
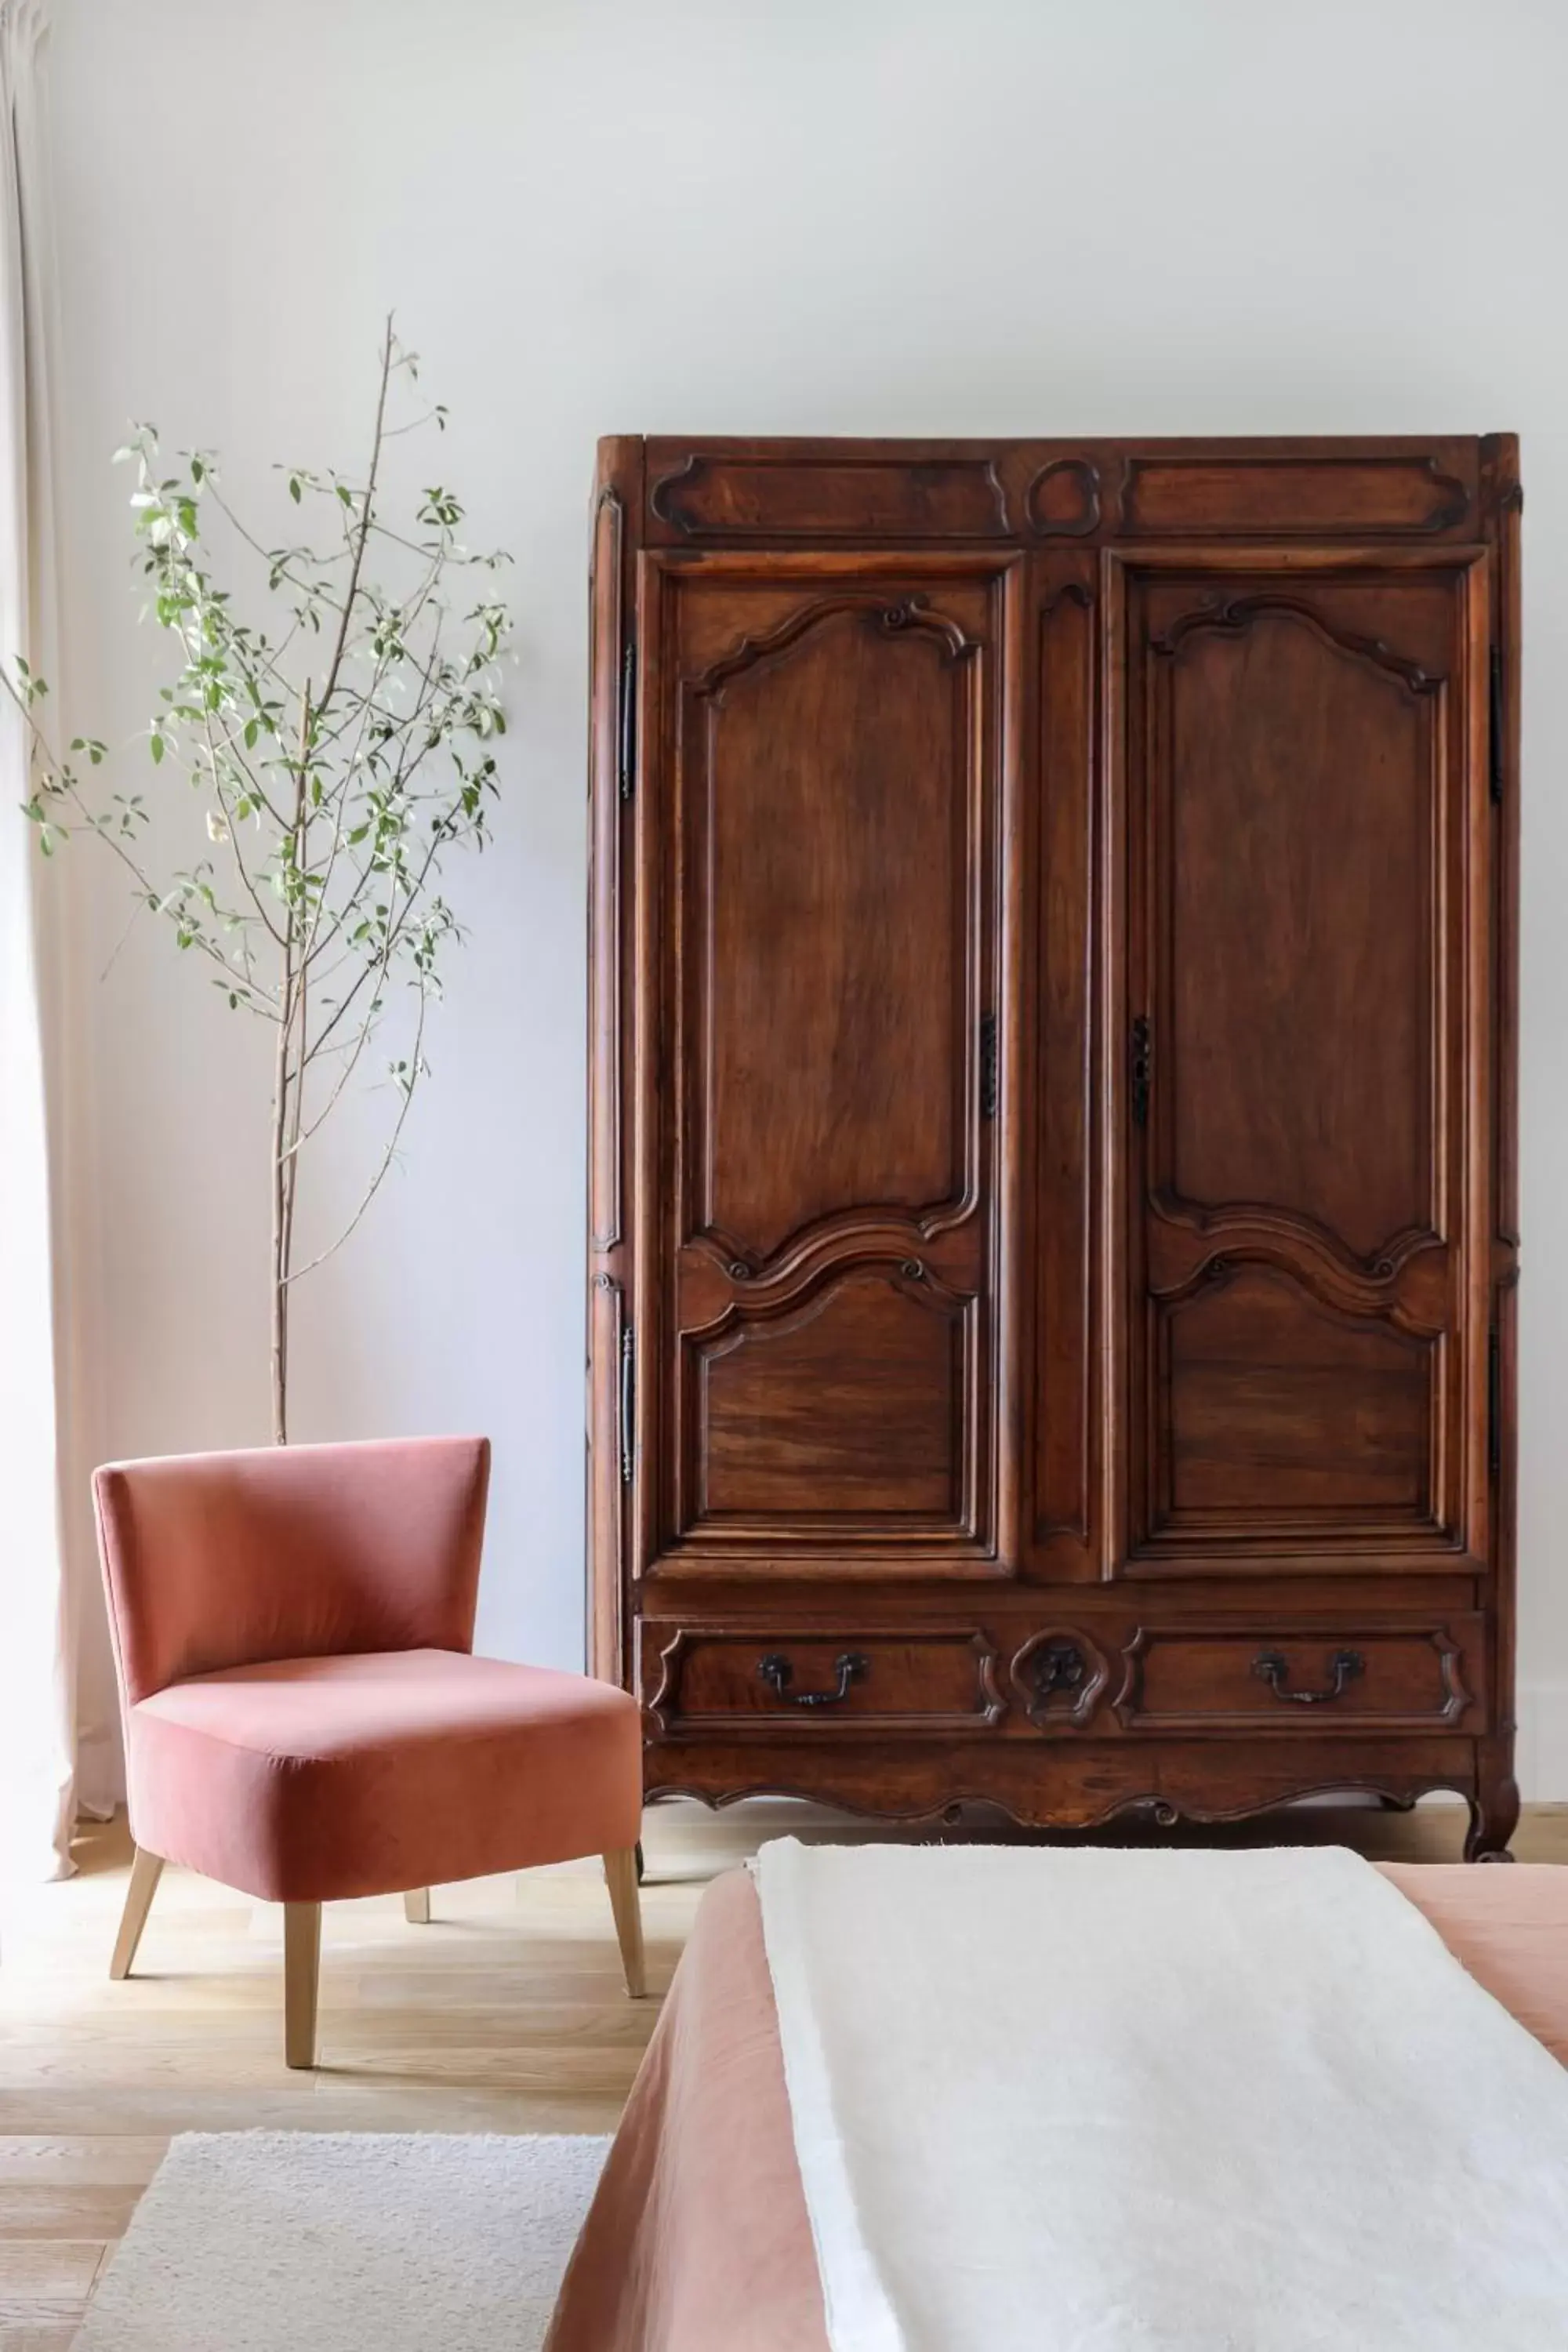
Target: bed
[(698, 2240)]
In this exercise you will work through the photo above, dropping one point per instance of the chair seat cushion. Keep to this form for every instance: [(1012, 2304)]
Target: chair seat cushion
[(308, 1780)]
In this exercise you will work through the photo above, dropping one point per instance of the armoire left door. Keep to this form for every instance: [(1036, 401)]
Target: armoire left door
[(821, 1139)]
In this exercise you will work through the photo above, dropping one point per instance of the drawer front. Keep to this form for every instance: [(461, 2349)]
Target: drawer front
[(698, 1681), (1295, 1678)]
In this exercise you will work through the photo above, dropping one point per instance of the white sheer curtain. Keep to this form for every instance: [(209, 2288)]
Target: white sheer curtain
[(37, 1600)]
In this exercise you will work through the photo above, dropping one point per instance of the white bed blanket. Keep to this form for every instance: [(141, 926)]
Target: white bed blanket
[(1095, 2101)]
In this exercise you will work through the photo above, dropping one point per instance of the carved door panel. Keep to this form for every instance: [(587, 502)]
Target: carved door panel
[(820, 831), (1303, 1126)]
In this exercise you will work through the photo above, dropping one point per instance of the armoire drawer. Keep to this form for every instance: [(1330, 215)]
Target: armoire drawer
[(698, 1680), (1297, 1678)]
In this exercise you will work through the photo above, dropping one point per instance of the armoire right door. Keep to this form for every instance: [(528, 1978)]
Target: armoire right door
[(1298, 871)]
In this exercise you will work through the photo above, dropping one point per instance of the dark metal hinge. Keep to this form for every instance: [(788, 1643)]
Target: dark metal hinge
[(628, 742), (1494, 722), (988, 1067), (629, 1403), (1494, 1400), (1140, 1069)]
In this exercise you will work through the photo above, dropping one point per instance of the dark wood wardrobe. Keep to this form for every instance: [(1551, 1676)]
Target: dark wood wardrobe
[(1053, 1194)]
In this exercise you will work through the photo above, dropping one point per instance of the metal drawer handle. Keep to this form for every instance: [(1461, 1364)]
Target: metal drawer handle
[(777, 1671), (1272, 1667)]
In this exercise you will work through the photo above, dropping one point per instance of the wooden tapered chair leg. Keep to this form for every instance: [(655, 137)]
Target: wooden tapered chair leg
[(146, 1870), (621, 1877), (301, 1970), (416, 1906)]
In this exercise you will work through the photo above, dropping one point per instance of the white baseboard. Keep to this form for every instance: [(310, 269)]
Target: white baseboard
[(1543, 1746)]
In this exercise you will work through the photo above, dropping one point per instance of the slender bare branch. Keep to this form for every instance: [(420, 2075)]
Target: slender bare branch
[(387, 1157)]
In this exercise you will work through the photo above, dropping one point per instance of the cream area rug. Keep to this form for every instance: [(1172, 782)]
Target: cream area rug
[(346, 2241)]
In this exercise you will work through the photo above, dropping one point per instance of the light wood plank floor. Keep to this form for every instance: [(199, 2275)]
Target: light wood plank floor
[(505, 2014)]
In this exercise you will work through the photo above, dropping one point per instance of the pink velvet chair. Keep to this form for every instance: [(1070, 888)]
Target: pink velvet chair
[(304, 1719)]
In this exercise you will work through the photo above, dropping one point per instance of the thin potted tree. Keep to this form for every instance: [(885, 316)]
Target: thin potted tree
[(342, 749)]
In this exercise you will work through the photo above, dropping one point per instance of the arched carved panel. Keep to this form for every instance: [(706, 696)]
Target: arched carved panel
[(1276, 1411), (1408, 1279), (851, 1406), (830, 771), (1296, 811)]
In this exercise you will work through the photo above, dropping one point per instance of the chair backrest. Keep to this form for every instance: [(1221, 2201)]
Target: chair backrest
[(295, 1551)]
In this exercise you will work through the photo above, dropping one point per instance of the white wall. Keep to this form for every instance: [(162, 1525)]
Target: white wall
[(1016, 216)]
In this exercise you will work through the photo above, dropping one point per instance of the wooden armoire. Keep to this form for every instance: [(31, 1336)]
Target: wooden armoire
[(1053, 1191)]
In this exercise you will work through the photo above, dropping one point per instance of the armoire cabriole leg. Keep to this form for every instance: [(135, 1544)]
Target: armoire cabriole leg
[(145, 1872), (1494, 1814)]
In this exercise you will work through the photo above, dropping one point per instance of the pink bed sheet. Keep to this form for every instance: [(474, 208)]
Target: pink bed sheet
[(698, 2239)]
